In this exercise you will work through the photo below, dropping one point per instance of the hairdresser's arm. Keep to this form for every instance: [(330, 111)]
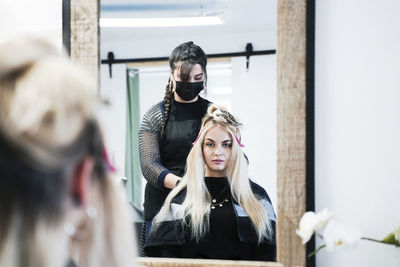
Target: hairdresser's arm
[(149, 151), (171, 180)]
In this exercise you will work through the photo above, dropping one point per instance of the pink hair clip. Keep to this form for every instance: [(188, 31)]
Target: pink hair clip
[(198, 136), (237, 139), (107, 161)]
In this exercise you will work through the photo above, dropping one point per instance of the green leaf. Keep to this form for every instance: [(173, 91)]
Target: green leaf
[(390, 239)]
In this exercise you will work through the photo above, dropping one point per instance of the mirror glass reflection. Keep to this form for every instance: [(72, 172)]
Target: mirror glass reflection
[(249, 93)]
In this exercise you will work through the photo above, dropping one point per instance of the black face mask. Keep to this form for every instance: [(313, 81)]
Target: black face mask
[(188, 91)]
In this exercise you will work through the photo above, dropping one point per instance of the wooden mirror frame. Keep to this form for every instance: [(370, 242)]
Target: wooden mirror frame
[(294, 117)]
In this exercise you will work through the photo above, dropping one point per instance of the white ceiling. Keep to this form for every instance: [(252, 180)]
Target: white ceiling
[(244, 21)]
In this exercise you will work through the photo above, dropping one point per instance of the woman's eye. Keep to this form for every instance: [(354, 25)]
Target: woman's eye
[(227, 145), (198, 77), (210, 145)]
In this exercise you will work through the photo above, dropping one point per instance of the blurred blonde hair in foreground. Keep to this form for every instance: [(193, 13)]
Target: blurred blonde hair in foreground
[(58, 201)]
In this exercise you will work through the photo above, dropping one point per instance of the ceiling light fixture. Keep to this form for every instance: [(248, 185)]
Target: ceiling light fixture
[(160, 22)]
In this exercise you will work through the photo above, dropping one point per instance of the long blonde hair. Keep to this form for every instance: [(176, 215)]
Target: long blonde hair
[(47, 126), (196, 207)]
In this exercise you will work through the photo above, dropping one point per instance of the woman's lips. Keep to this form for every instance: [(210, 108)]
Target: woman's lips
[(218, 161)]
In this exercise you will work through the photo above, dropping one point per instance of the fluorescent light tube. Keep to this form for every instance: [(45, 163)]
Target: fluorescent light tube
[(160, 22)]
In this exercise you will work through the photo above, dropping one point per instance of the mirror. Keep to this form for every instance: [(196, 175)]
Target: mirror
[(248, 92), (291, 121)]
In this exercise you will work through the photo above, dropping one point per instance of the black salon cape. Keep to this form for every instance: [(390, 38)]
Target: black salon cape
[(172, 239)]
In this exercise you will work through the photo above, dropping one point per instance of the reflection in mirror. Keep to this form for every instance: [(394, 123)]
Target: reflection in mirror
[(250, 94)]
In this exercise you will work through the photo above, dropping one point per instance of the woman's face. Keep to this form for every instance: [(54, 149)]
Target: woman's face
[(217, 151), (187, 91)]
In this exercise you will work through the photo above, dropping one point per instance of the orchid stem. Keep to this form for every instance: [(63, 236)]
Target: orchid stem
[(377, 241), (316, 251), (371, 239)]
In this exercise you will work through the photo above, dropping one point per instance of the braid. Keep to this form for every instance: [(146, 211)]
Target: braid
[(167, 104), (221, 115)]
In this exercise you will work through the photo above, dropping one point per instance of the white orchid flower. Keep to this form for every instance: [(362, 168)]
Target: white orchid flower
[(337, 235), (306, 226), (323, 218), (311, 222)]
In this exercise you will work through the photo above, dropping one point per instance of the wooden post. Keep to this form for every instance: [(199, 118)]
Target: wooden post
[(291, 56), (84, 40)]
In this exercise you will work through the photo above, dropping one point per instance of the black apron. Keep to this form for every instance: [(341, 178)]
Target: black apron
[(176, 143)]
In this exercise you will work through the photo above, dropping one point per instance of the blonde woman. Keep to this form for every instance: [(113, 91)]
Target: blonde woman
[(59, 204), (215, 211)]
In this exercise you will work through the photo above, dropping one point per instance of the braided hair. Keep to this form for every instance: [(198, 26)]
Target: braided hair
[(221, 115), (183, 57)]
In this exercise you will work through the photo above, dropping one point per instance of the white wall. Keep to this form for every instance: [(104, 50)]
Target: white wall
[(130, 46), (41, 18), (254, 102), (358, 124), (113, 115)]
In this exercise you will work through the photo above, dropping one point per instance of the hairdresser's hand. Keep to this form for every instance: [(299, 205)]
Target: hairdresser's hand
[(171, 180)]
